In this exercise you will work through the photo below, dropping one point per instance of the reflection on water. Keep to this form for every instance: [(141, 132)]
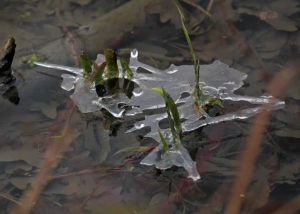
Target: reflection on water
[(12, 95), (255, 37)]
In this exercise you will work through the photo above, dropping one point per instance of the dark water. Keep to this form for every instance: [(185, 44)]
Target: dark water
[(259, 38)]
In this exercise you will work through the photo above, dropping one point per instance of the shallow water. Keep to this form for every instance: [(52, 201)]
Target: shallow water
[(258, 38)]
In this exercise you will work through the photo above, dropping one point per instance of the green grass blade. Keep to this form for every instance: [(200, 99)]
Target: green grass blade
[(173, 114), (111, 64), (166, 147), (170, 120), (159, 90), (85, 63), (174, 111), (187, 35), (126, 67)]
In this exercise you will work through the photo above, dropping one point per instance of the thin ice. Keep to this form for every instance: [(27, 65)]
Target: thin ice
[(215, 79)]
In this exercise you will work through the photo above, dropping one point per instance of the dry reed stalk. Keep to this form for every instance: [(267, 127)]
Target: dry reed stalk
[(54, 149), (209, 6), (55, 146), (206, 12), (70, 35), (249, 154)]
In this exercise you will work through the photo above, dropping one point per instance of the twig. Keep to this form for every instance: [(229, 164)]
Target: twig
[(135, 156), (210, 4), (91, 194), (248, 156), (69, 34), (206, 12), (10, 199)]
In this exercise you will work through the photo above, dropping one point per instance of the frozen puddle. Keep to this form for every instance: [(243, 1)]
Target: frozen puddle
[(215, 79)]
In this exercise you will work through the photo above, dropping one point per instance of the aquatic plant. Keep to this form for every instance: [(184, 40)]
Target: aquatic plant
[(200, 100), (108, 68), (31, 59)]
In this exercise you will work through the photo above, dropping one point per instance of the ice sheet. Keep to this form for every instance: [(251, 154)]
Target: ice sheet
[(215, 79)]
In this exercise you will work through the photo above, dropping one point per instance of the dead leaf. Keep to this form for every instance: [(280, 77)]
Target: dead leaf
[(290, 119), (288, 172), (47, 109), (268, 43), (167, 11), (21, 183), (268, 15), (26, 152), (292, 89), (287, 132), (278, 21), (283, 23), (97, 141), (12, 167), (286, 7), (78, 185)]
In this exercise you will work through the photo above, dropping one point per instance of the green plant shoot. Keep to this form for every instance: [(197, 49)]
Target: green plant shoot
[(126, 68), (30, 61), (163, 141), (187, 37), (199, 99), (99, 70), (94, 72), (112, 70), (173, 115), (85, 63)]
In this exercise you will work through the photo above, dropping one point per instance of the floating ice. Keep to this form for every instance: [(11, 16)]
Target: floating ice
[(216, 79), (177, 156)]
